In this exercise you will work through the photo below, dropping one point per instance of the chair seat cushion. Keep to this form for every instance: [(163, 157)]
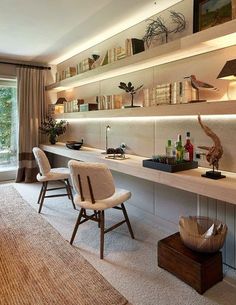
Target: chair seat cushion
[(117, 198), (60, 173)]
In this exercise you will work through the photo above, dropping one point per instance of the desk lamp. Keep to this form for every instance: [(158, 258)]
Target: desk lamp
[(108, 127)]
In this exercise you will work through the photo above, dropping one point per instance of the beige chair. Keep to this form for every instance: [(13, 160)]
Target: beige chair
[(47, 174), (95, 190)]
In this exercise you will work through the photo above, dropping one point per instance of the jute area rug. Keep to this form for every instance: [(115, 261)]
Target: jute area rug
[(38, 267)]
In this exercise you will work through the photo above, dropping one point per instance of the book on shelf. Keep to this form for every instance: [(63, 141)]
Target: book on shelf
[(134, 46), (70, 71), (85, 65), (104, 60)]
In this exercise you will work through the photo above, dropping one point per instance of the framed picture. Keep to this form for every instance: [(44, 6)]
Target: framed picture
[(208, 13)]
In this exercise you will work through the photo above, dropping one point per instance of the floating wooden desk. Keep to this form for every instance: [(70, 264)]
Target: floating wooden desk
[(190, 180)]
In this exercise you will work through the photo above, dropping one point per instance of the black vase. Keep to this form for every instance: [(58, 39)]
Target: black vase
[(52, 138)]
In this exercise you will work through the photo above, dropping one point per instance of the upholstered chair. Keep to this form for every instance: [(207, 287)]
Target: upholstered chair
[(95, 191), (47, 174)]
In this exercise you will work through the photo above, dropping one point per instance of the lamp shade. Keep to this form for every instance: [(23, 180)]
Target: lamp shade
[(60, 101), (229, 70)]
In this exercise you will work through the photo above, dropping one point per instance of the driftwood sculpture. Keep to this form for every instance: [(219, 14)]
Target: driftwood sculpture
[(216, 151)]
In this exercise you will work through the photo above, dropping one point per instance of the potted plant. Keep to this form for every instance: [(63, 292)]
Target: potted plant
[(53, 128)]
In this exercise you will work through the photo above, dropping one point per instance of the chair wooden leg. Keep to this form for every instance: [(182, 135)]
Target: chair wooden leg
[(127, 220), (69, 192), (67, 189), (40, 194), (45, 184), (101, 221), (76, 226)]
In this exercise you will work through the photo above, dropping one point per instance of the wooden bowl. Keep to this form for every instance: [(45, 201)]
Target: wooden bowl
[(202, 234)]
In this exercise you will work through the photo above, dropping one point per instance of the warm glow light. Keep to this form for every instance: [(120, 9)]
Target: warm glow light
[(222, 42), (156, 118), (149, 10)]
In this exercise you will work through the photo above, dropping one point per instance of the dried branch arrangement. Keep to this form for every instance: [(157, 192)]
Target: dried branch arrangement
[(157, 28)]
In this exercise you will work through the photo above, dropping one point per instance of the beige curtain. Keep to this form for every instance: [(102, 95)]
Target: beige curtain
[(31, 112)]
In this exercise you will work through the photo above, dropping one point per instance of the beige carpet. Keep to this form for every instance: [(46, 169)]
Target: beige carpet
[(38, 267)]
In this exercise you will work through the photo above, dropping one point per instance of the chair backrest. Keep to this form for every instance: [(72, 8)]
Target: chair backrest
[(42, 161), (88, 176)]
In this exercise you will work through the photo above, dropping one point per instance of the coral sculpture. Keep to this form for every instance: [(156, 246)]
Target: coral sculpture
[(215, 152)]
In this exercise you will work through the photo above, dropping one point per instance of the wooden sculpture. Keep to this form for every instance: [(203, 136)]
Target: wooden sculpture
[(215, 152)]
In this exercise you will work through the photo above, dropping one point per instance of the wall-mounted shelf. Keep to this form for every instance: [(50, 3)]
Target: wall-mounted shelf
[(214, 38), (207, 108)]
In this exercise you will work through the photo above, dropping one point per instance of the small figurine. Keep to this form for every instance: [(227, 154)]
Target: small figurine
[(199, 85), (214, 153)]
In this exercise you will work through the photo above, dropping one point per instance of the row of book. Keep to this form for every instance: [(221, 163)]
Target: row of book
[(132, 46), (170, 93)]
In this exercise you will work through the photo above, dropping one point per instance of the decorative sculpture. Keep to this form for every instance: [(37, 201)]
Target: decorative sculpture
[(214, 153), (129, 88), (198, 85), (157, 27)]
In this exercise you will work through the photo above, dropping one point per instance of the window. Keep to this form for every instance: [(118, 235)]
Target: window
[(8, 125)]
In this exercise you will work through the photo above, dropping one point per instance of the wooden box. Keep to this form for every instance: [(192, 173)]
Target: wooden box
[(199, 270)]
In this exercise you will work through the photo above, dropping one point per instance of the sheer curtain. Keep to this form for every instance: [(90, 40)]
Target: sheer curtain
[(31, 112)]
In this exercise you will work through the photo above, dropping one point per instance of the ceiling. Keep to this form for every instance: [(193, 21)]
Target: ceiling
[(50, 31)]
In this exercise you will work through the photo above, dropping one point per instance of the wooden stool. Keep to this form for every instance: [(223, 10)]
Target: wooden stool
[(199, 270)]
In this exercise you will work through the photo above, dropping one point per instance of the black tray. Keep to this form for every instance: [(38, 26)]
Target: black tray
[(168, 167)]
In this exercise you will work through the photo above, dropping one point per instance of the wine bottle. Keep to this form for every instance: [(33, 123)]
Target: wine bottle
[(188, 155), (179, 150)]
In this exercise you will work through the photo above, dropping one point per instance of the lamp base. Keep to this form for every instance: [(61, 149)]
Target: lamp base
[(213, 175)]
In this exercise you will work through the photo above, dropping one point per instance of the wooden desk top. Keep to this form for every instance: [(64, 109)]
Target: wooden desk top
[(190, 180)]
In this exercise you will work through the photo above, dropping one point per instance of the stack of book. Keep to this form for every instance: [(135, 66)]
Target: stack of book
[(106, 102), (70, 71), (163, 94), (85, 65), (182, 92)]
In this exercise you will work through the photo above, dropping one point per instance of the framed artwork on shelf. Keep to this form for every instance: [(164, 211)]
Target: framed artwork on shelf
[(208, 13)]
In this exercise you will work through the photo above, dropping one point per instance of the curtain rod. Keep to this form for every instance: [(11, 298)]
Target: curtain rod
[(25, 65)]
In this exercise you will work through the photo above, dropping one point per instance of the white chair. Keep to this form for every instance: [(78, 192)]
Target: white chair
[(95, 190), (46, 174)]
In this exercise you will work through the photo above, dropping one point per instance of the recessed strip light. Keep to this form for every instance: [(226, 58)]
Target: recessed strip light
[(155, 118)]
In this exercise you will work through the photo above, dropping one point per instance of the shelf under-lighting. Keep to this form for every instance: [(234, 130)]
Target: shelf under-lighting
[(212, 39)]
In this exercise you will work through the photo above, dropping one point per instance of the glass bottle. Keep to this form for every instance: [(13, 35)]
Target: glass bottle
[(179, 150), (188, 155), (169, 149)]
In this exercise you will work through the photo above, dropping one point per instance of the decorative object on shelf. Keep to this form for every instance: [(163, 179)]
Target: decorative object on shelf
[(158, 29), (53, 128), (96, 61), (214, 153), (228, 72), (209, 13), (129, 88), (117, 153), (74, 144), (199, 85), (202, 234)]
